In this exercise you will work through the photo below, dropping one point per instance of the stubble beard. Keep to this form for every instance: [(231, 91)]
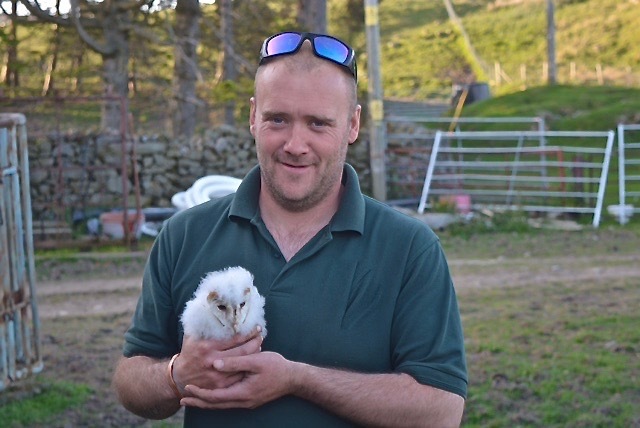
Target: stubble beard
[(314, 196)]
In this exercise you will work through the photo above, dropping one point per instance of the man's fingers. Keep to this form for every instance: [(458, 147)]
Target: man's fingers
[(239, 341), (246, 348), (229, 380), (213, 399), (233, 364)]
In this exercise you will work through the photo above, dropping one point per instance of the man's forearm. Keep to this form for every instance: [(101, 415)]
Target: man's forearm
[(142, 386), (378, 399)]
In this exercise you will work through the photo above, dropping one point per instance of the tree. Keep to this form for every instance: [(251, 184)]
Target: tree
[(105, 28), (312, 15), (186, 72), (11, 75), (229, 70), (347, 19), (48, 86)]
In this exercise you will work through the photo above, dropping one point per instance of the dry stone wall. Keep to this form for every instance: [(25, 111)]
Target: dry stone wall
[(80, 172)]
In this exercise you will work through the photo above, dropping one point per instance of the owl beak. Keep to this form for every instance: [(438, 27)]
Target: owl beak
[(238, 318), (236, 321)]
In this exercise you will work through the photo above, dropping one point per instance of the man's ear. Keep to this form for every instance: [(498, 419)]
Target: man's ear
[(354, 124), (252, 115)]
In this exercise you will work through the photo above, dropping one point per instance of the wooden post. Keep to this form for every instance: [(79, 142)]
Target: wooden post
[(377, 139), (599, 74), (551, 44)]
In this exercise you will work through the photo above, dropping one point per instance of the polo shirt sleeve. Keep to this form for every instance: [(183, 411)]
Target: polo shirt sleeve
[(154, 327), (427, 330)]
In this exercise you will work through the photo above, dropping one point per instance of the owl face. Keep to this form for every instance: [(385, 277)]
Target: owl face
[(230, 311), (224, 304)]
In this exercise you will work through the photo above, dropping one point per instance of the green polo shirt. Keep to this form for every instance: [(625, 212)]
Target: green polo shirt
[(371, 292)]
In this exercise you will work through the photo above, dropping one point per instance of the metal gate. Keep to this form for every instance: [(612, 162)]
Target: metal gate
[(550, 171), (410, 141), (628, 170), (19, 322)]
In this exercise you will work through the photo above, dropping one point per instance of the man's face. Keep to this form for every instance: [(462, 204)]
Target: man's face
[(302, 121)]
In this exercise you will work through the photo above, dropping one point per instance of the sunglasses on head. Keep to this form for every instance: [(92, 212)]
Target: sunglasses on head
[(324, 46)]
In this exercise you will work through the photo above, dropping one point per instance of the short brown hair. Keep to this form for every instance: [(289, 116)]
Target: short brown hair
[(304, 61)]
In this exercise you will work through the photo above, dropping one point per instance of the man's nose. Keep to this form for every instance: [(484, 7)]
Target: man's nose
[(297, 143)]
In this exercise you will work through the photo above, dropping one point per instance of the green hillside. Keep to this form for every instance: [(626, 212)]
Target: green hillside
[(423, 53), (566, 108)]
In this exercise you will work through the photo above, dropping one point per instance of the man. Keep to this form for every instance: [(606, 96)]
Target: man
[(362, 316)]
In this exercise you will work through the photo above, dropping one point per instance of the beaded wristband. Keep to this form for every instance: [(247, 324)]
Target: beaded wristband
[(174, 386)]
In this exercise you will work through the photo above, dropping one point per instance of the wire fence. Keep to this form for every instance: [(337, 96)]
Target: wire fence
[(571, 73), (65, 142)]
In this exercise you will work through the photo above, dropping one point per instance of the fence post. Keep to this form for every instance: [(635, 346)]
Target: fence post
[(377, 143), (599, 74)]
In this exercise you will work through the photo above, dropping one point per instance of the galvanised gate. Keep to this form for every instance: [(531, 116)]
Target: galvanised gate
[(19, 323)]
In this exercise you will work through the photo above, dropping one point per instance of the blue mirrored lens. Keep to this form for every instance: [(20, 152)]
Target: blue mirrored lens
[(331, 48), (283, 43), (326, 47)]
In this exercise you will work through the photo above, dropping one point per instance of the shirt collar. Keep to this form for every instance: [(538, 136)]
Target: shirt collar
[(350, 214)]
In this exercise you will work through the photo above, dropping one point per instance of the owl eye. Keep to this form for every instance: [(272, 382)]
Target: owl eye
[(242, 304), (222, 307)]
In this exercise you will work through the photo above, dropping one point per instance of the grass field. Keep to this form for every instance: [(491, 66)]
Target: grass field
[(555, 354), (551, 326)]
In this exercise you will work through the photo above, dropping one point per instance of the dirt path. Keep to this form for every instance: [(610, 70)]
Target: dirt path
[(96, 297), (524, 271)]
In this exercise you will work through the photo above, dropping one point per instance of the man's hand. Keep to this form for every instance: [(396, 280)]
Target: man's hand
[(143, 385), (195, 365), (267, 376)]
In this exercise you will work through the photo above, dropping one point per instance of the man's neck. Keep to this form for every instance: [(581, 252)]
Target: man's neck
[(292, 229)]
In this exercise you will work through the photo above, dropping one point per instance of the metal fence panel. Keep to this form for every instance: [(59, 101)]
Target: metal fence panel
[(521, 170), (410, 140), (19, 322), (628, 170)]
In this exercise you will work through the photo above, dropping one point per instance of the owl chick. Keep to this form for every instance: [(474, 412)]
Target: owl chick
[(225, 303)]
